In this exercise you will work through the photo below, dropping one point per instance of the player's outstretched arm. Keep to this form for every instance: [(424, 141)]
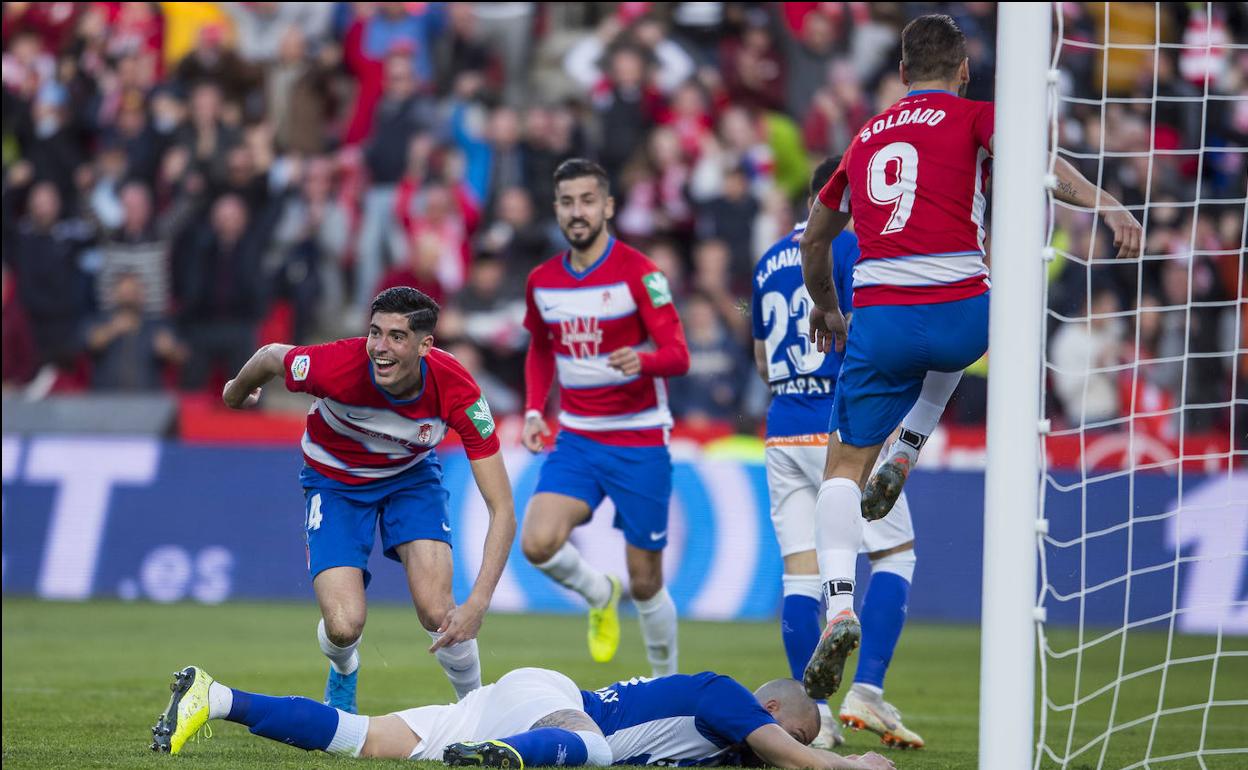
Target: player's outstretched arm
[(266, 363), (1072, 187), (463, 622), (827, 325), (779, 749)]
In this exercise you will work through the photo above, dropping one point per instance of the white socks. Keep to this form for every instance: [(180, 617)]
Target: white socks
[(220, 701), (569, 570), (598, 748), (838, 533), (658, 631), (345, 660), (462, 664), (802, 585), (349, 738), (925, 414)]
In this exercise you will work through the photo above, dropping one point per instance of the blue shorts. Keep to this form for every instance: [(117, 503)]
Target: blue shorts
[(890, 350), (638, 479), (340, 520)]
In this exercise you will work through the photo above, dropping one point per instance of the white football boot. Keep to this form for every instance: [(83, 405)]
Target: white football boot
[(864, 710), (830, 735)]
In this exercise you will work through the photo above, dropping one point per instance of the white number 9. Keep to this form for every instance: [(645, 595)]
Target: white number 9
[(899, 194)]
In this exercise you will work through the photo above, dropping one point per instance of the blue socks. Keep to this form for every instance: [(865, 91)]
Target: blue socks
[(799, 628), (883, 615), (291, 720), (549, 747)]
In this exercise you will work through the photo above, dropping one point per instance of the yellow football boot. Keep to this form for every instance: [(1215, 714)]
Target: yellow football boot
[(604, 626), (187, 711)]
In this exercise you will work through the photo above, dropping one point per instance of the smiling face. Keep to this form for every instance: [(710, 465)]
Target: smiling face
[(395, 350)]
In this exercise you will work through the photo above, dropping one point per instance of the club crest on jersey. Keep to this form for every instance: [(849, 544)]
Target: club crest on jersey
[(424, 434), (481, 417), (299, 368), (581, 336)]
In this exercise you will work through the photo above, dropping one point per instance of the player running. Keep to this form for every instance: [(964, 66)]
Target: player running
[(537, 718), (384, 402), (802, 381), (602, 319), (914, 179)]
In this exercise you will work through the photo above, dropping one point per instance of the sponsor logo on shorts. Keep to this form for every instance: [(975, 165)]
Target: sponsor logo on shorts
[(657, 536), (299, 368)]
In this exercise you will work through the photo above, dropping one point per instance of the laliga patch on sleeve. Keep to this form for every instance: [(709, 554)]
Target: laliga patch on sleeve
[(299, 368), (481, 417), (658, 288)]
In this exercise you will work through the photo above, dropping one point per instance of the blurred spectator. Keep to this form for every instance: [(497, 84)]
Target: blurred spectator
[(753, 67), (729, 219), (516, 236), (205, 136), (718, 366), (1080, 352), (262, 29), (502, 398), (18, 348), (47, 140), (308, 251), (435, 219), (44, 252), (140, 246), (808, 52), (222, 294), (300, 94), (419, 271), (214, 60), (625, 102), (464, 51), (714, 278), (128, 345)]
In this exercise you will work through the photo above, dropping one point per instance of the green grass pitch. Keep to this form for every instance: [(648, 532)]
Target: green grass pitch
[(84, 682)]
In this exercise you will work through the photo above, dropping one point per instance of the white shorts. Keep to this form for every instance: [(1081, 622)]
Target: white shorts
[(509, 706), (794, 474)]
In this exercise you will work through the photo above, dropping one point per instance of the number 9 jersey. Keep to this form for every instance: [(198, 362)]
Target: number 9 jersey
[(914, 178), (802, 379)]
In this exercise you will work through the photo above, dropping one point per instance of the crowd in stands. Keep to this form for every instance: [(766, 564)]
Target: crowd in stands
[(183, 181)]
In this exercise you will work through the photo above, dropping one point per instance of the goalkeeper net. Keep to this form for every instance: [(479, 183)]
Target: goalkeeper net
[(1143, 545)]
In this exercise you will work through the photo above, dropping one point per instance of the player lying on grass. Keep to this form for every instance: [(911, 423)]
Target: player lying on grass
[(539, 718)]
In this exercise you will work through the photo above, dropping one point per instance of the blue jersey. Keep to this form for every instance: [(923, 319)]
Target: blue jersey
[(802, 379), (682, 720)]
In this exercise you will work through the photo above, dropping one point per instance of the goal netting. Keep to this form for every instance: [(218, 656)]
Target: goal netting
[(1142, 615)]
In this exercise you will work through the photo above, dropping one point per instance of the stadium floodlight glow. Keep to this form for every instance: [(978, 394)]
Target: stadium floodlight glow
[(1015, 329)]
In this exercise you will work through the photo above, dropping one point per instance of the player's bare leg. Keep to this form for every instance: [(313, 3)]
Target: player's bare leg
[(883, 488), (340, 594), (544, 539), (389, 737), (838, 534), (430, 569), (655, 608)]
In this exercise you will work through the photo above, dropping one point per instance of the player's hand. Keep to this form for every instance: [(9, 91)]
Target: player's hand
[(872, 761), (626, 361), (235, 400), (534, 432), (1128, 234), (827, 330), (461, 624)]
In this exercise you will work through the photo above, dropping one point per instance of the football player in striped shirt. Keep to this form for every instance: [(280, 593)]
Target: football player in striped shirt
[(384, 402), (602, 321)]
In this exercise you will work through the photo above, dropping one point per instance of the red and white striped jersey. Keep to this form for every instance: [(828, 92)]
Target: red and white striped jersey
[(578, 319), (914, 179), (357, 432)]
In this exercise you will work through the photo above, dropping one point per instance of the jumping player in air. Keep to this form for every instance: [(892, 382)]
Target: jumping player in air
[(538, 718), (802, 381), (384, 402), (602, 320), (914, 180)]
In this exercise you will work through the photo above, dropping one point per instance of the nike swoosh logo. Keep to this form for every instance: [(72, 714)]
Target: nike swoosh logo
[(446, 527), (658, 535), (359, 416)]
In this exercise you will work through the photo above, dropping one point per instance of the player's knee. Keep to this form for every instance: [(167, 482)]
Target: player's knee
[(539, 547), (344, 630), (432, 611), (644, 586)]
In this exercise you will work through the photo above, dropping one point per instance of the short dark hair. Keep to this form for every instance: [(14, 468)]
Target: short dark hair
[(420, 309), (823, 172), (575, 168), (932, 47)]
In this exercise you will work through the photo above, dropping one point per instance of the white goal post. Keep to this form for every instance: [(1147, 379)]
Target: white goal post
[(1012, 481), (1114, 621)]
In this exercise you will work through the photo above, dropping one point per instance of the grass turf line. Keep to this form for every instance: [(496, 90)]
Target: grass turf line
[(83, 683)]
